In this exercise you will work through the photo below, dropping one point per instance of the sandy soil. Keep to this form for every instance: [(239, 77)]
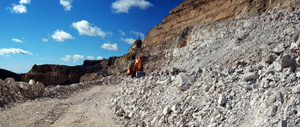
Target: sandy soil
[(88, 108)]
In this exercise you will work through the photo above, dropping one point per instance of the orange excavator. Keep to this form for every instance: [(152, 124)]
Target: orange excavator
[(137, 66)]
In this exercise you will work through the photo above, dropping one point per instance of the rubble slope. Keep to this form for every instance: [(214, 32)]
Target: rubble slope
[(242, 72)]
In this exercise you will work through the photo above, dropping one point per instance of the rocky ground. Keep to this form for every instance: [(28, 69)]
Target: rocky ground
[(82, 104), (242, 72), (88, 107)]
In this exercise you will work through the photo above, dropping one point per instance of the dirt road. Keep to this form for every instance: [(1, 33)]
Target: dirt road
[(88, 108)]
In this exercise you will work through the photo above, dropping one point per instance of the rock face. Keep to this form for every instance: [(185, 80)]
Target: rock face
[(236, 77), (174, 29), (136, 47), (5, 74), (89, 71), (54, 74)]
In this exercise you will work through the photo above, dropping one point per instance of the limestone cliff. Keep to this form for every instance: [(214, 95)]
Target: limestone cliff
[(173, 30)]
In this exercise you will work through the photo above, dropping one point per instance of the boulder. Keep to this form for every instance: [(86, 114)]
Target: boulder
[(222, 100), (288, 61), (31, 82), (269, 59), (11, 83), (40, 85), (296, 89), (294, 47), (276, 66), (175, 108), (270, 100), (250, 76), (182, 82), (279, 49), (279, 96), (166, 110), (271, 111)]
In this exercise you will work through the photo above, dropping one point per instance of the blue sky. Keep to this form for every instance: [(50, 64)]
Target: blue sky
[(70, 31)]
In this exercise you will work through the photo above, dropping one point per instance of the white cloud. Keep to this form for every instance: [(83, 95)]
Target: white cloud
[(67, 4), (90, 57), (85, 28), (108, 46), (137, 34), (25, 1), (6, 51), (128, 40), (17, 9), (122, 33), (99, 58), (45, 39), (66, 58), (61, 36), (78, 57), (120, 6), (17, 40)]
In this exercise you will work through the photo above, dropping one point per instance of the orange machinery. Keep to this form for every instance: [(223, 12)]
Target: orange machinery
[(137, 66)]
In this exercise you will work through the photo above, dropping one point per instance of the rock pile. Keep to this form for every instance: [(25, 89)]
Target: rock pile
[(11, 91), (233, 73)]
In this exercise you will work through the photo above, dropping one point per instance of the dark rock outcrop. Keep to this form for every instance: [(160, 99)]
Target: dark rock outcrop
[(5, 74), (90, 70), (54, 74)]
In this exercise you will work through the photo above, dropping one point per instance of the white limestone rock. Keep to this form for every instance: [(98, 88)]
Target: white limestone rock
[(279, 49), (222, 99), (31, 82), (182, 82), (271, 111), (166, 110), (250, 76), (296, 89)]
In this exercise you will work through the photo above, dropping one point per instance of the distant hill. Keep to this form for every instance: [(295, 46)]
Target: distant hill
[(5, 74)]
